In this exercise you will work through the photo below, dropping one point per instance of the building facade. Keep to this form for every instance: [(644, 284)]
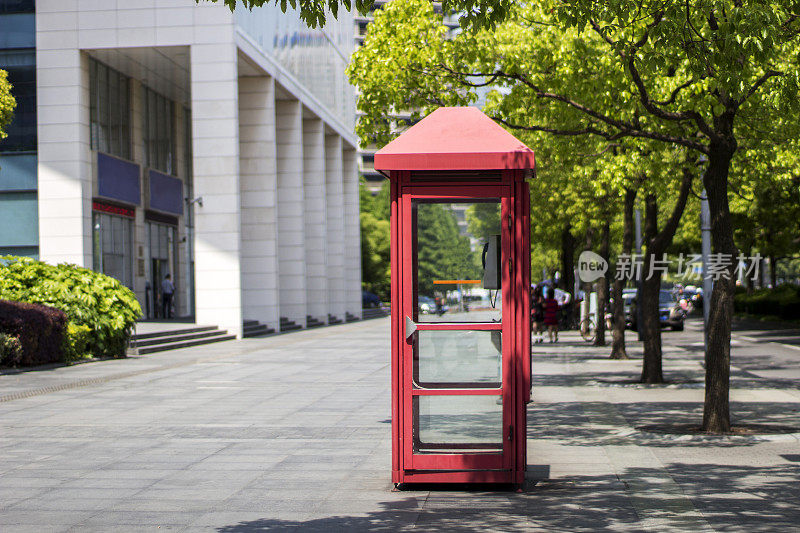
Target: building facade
[(184, 139)]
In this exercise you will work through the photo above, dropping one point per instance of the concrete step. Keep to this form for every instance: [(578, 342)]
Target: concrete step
[(257, 330), (312, 322), (289, 325), (373, 312), (221, 335), (332, 319), (349, 317), (176, 337), (171, 332)]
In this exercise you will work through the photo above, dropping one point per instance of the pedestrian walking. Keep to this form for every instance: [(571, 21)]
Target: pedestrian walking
[(167, 290), (537, 314), (551, 315)]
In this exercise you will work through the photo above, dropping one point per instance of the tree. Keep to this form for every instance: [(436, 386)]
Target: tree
[(442, 252), (686, 74), (474, 13), (375, 238), (7, 104)]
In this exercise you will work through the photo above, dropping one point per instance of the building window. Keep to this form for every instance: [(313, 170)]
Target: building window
[(159, 132), (17, 6), (109, 110), (21, 68), (113, 247)]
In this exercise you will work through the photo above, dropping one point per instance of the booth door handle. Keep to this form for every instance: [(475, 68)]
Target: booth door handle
[(411, 327)]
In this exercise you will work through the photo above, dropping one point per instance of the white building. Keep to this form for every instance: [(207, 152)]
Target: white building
[(214, 146)]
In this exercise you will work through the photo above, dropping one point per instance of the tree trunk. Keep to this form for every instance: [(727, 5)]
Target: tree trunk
[(602, 287), (587, 288), (618, 350), (657, 244), (716, 408), (650, 326), (773, 276), (568, 269), (567, 258)]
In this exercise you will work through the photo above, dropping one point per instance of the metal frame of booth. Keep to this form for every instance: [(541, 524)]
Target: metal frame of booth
[(511, 187)]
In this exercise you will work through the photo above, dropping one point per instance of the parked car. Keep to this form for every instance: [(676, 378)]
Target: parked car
[(429, 306), (369, 300), (628, 296), (670, 313)]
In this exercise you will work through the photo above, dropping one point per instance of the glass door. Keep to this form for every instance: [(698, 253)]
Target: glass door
[(457, 370)]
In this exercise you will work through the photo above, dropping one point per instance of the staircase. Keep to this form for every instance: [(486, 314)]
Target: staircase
[(312, 322), (373, 312), (289, 325), (349, 317), (254, 328), (333, 319), (145, 343)]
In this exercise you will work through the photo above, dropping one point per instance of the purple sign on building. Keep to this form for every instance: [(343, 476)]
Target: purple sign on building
[(118, 179), (166, 193)]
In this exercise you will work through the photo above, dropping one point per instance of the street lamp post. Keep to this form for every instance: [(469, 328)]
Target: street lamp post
[(705, 230), (637, 228)]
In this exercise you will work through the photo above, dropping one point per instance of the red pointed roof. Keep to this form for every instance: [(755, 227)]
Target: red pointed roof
[(455, 138)]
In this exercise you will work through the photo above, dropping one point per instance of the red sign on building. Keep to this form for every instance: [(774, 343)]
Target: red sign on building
[(113, 209)]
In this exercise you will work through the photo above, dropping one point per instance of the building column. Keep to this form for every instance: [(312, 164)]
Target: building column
[(64, 166), (215, 161), (259, 189), (336, 235), (315, 219), (291, 210), (352, 232)]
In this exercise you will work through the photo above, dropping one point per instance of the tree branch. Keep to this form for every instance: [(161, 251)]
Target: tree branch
[(664, 237), (757, 85)]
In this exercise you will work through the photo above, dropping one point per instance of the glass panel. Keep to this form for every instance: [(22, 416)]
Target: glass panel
[(458, 359), (102, 108), (105, 232), (458, 424), (113, 112), (93, 118), (449, 239), (116, 224), (124, 125)]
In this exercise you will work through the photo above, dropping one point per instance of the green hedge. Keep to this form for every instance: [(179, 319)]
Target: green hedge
[(782, 301), (101, 311)]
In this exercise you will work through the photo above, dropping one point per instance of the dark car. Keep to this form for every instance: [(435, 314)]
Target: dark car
[(369, 300), (670, 313), (628, 297)]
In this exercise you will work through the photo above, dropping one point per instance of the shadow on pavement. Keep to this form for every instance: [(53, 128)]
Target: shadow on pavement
[(746, 498), (656, 424)]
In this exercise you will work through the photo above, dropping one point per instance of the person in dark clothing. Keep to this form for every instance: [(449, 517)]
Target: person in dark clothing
[(167, 291), (537, 314), (551, 315)]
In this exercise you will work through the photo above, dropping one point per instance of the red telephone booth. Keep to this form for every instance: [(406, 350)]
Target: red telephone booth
[(460, 257)]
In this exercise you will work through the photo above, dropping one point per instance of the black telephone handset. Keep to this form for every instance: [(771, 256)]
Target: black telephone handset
[(491, 268)]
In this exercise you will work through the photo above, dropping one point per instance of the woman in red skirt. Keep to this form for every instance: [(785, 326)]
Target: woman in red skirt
[(551, 315)]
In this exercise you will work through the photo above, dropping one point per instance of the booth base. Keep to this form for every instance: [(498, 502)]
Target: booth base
[(484, 476)]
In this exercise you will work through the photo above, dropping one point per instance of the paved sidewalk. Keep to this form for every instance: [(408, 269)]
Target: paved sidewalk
[(292, 433)]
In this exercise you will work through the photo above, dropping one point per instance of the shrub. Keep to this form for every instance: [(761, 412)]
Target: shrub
[(39, 328), (77, 342), (91, 299), (782, 301), (10, 350)]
